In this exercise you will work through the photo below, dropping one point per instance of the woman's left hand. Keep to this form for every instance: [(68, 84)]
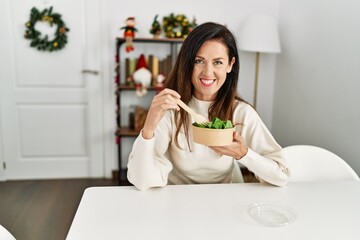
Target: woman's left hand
[(237, 149)]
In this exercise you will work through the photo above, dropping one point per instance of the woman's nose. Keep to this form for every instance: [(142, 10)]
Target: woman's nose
[(208, 69)]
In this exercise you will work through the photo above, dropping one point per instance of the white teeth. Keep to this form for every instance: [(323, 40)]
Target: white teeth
[(207, 81)]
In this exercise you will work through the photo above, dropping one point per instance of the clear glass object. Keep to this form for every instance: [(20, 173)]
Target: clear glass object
[(272, 215)]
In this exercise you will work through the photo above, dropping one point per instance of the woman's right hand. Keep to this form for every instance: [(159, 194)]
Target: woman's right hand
[(162, 102)]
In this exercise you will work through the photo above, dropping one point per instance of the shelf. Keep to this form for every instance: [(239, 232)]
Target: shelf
[(154, 40), (126, 131), (123, 87)]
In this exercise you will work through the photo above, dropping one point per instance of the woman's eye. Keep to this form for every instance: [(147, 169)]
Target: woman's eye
[(218, 62), (198, 61)]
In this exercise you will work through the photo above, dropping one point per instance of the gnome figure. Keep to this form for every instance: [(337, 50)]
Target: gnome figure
[(129, 33), (142, 76)]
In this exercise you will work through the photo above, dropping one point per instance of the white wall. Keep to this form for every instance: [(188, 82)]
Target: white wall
[(318, 76)]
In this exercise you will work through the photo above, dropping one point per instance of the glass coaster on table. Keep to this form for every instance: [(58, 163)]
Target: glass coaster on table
[(271, 215)]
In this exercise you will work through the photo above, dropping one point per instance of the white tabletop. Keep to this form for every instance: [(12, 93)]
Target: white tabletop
[(325, 210)]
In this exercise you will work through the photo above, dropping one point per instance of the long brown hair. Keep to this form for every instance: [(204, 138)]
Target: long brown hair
[(179, 79)]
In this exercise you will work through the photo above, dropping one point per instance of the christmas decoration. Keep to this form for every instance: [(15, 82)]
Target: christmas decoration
[(155, 28), (44, 43), (142, 76), (129, 33), (160, 80), (177, 26)]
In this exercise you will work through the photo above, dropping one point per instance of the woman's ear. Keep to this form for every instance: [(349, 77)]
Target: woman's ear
[(230, 65)]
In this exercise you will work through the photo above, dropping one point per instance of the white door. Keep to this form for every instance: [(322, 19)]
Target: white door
[(50, 111)]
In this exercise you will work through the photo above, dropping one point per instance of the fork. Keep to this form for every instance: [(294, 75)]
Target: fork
[(197, 117)]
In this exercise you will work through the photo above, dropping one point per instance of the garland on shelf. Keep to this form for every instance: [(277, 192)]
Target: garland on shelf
[(177, 26), (43, 43)]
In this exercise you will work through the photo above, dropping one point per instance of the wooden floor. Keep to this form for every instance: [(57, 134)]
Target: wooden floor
[(42, 209)]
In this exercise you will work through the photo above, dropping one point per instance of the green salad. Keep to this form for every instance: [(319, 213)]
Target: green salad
[(216, 123)]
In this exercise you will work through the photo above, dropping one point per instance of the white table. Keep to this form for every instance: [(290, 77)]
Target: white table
[(325, 210)]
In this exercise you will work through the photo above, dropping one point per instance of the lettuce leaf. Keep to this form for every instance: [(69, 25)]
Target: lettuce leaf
[(216, 123)]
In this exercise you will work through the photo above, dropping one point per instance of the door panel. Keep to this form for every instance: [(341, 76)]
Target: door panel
[(57, 120), (51, 121)]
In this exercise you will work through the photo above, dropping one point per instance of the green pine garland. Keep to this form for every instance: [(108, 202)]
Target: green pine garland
[(43, 43), (177, 26)]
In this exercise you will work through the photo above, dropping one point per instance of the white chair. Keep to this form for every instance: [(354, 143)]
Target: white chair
[(311, 163), (5, 234)]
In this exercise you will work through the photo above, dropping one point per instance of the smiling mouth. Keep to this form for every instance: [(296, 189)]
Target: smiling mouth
[(207, 82)]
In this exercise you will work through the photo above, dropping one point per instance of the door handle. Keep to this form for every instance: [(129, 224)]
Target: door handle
[(95, 72)]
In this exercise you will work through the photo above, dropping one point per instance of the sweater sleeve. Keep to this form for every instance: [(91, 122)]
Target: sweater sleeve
[(148, 164), (264, 157), (266, 168)]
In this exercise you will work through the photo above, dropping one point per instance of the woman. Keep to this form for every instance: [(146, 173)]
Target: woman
[(205, 77)]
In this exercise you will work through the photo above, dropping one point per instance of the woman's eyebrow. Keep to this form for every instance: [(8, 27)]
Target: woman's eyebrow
[(218, 58)]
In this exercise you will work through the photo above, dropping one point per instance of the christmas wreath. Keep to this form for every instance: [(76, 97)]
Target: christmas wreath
[(43, 43), (177, 26)]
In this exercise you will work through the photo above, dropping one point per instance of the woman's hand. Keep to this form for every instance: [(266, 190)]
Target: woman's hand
[(237, 149), (162, 102)]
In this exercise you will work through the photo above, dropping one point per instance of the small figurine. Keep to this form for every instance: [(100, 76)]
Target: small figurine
[(129, 33), (155, 28), (142, 76), (160, 80)]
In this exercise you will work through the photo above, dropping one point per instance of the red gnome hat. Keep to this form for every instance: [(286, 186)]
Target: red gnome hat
[(141, 63), (142, 75)]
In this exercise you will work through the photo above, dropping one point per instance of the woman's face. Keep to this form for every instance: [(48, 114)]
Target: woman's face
[(210, 69)]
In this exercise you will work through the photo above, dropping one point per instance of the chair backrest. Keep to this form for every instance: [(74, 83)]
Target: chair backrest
[(5, 234), (311, 163)]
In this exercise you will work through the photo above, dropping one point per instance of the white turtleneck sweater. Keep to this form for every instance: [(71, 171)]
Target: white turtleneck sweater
[(158, 161)]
